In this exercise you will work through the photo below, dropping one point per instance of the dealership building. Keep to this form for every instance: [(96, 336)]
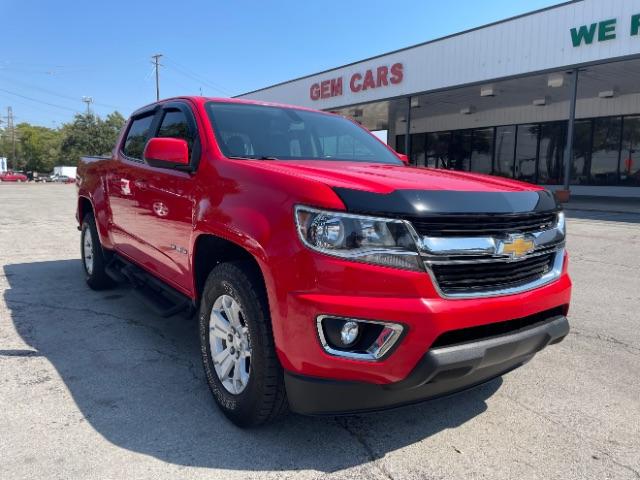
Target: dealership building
[(516, 98)]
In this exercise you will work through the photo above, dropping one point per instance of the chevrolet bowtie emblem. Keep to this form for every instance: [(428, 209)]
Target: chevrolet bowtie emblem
[(517, 246)]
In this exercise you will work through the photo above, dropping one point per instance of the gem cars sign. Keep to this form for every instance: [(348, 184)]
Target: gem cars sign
[(378, 77)]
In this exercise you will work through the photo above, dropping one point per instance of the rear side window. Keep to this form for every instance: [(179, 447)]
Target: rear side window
[(174, 124), (137, 137)]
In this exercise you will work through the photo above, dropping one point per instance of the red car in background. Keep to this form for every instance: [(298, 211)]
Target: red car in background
[(12, 177)]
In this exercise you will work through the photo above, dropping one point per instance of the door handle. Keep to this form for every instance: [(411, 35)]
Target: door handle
[(140, 184)]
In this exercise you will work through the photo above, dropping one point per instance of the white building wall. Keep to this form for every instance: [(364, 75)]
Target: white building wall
[(532, 43)]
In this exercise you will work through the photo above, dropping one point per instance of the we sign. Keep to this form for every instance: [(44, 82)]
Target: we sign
[(601, 31)]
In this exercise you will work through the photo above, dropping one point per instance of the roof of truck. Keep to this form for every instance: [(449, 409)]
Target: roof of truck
[(202, 100)]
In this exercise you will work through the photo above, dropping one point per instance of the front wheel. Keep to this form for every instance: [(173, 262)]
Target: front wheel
[(240, 362)]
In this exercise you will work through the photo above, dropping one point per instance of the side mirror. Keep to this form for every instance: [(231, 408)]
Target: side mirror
[(167, 152), (404, 158)]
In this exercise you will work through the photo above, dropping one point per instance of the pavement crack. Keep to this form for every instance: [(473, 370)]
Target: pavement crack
[(360, 439), (605, 338), (576, 433), (626, 467), (89, 311)]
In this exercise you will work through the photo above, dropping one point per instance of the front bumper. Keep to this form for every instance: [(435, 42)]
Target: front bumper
[(441, 371)]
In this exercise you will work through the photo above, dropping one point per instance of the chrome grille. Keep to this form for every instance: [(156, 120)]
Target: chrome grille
[(494, 256), (465, 277)]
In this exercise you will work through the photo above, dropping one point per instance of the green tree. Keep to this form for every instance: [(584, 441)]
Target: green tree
[(39, 147), (89, 135), (6, 147)]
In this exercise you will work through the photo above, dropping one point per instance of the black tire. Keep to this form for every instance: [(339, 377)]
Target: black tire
[(263, 400), (97, 278)]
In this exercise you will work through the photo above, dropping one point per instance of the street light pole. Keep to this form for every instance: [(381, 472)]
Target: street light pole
[(12, 128), (88, 101)]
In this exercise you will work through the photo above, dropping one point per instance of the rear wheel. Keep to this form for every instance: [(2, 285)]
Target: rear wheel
[(93, 256), (238, 353)]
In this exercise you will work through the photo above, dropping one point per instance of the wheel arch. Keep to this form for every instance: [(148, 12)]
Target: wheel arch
[(210, 250), (84, 206)]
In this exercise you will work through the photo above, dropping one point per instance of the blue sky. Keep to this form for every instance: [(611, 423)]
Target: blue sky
[(55, 52)]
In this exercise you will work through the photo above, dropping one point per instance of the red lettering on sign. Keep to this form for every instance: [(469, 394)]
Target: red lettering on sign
[(369, 82), (355, 87), (314, 92), (325, 89), (396, 73), (336, 87), (382, 77)]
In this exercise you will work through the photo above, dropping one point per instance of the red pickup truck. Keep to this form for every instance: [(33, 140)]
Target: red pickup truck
[(329, 277)]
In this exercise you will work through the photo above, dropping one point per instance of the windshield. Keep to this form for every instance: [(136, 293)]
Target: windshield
[(275, 133)]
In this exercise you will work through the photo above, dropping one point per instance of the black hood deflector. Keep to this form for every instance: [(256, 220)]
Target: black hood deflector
[(437, 202)]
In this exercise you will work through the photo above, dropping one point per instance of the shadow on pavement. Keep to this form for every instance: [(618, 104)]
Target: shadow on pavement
[(137, 379)]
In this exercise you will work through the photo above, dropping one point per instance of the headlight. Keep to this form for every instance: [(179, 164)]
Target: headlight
[(381, 241)]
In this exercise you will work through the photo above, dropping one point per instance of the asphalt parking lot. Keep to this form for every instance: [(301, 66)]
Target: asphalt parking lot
[(92, 385)]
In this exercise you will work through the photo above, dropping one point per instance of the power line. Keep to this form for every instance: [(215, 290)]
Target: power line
[(50, 111), (195, 76), (57, 94), (39, 101)]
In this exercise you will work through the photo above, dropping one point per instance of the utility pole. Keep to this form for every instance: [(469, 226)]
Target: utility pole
[(12, 129), (156, 59), (88, 101)]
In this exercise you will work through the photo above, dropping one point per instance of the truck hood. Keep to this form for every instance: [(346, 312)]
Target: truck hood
[(401, 190), (382, 178)]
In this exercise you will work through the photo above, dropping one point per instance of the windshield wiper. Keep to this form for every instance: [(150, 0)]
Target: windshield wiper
[(252, 157)]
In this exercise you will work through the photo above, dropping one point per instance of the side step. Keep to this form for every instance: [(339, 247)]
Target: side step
[(158, 296)]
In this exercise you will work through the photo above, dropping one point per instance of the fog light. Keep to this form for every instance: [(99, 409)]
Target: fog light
[(349, 333), (357, 339)]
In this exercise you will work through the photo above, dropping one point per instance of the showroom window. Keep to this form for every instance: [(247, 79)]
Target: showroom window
[(460, 150), (437, 145), (606, 151), (482, 151), (581, 152), (553, 138), (630, 154), (418, 149), (527, 152), (505, 145), (605, 154)]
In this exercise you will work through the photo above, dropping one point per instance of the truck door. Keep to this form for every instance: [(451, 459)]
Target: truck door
[(121, 186), (164, 199)]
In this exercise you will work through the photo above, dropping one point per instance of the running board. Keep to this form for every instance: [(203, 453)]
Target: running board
[(162, 299)]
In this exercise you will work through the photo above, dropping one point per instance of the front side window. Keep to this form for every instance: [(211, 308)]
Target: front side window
[(175, 125), (266, 132), (137, 137)]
